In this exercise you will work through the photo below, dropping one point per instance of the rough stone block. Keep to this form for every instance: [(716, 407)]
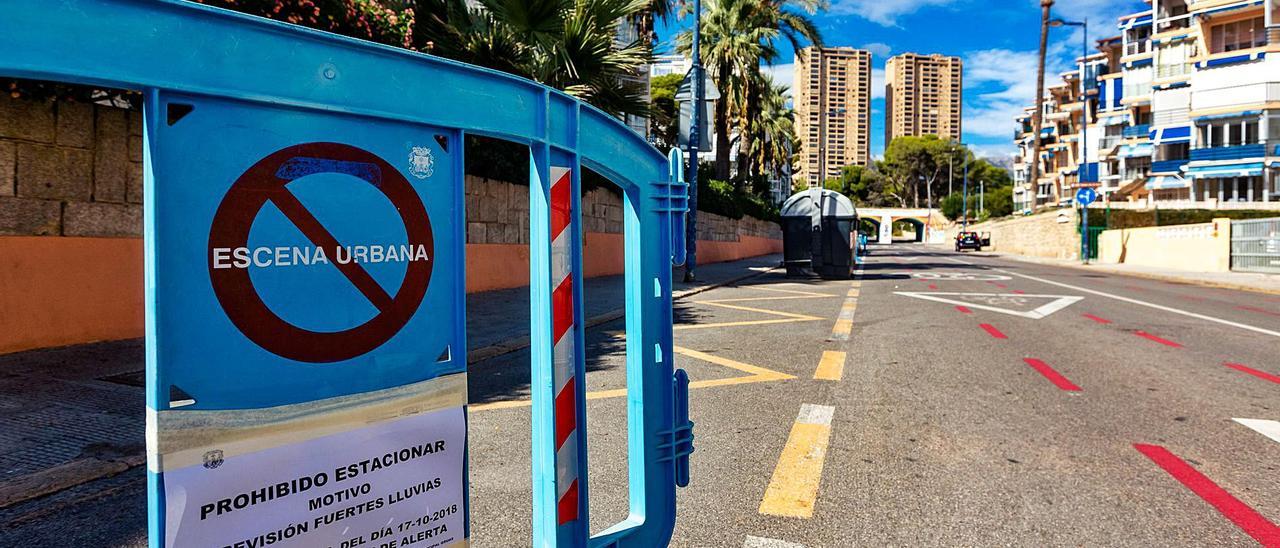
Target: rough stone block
[(30, 217), (475, 233), (101, 219), (135, 123), (8, 166), (133, 192), (54, 172), (135, 148), (511, 233), (27, 120), (75, 125), (494, 233), (473, 207), (111, 155)]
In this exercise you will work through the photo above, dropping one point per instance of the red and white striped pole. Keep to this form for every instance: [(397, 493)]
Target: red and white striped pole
[(564, 344)]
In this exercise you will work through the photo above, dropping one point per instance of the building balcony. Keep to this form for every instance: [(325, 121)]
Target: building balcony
[(1138, 131), (1168, 166), (1233, 152), (1173, 70), (1245, 94)]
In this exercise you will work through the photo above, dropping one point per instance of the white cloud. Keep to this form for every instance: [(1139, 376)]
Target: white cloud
[(877, 83), (884, 12), (1010, 77), (878, 49), (782, 75), (996, 154)]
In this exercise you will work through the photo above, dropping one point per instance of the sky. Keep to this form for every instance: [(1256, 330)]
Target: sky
[(997, 39)]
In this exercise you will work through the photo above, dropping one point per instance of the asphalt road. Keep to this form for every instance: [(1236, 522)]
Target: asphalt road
[(970, 401)]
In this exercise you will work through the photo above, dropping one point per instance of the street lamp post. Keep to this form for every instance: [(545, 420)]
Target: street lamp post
[(965, 208), (695, 145), (1084, 93), (1083, 174)]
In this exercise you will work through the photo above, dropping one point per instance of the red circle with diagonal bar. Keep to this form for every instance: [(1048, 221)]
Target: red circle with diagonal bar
[(266, 182)]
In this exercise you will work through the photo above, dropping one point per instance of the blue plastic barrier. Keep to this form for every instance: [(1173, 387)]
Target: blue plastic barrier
[(305, 282)]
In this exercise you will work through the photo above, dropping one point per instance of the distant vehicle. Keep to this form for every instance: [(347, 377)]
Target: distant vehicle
[(986, 239), (968, 240)]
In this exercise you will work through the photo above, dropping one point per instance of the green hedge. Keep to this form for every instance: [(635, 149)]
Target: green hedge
[(721, 198), (1128, 218)]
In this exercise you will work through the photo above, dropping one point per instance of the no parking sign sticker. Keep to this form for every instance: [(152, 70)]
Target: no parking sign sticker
[(380, 468), (230, 255)]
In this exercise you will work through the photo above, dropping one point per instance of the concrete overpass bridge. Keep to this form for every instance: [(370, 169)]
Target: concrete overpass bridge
[(929, 224)]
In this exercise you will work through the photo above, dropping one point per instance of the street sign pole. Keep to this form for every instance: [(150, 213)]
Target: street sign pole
[(1084, 236), (1084, 197), (695, 145)]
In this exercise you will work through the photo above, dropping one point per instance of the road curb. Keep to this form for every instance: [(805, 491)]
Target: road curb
[(64, 476), (476, 355), (1147, 275)]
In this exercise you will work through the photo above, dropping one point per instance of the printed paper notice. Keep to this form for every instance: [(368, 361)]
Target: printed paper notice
[(398, 483)]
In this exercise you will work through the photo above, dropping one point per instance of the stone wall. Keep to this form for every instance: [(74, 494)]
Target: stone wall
[(75, 169), (498, 213), (1052, 234), (69, 169)]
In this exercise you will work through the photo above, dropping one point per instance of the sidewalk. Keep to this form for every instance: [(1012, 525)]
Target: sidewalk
[(1245, 281), (76, 414)]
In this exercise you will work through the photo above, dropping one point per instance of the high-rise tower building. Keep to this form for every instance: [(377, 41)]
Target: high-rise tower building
[(923, 96), (832, 98)]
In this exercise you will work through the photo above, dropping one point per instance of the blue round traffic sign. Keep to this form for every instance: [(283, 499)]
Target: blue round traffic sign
[(1086, 196)]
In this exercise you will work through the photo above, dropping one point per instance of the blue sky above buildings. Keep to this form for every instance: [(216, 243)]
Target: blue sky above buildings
[(996, 38)]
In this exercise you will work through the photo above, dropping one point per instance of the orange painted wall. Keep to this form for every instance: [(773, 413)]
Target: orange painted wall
[(56, 291)]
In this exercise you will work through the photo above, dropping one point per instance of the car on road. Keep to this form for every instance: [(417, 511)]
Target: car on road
[(968, 240)]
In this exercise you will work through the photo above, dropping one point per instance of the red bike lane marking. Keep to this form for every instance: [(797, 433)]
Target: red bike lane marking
[(1259, 310), (1019, 292), (1102, 321), (991, 330), (1244, 516), (1151, 337), (1251, 371), (1049, 373), (963, 309)]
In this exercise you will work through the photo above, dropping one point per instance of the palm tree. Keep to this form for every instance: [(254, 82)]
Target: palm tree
[(1037, 116), (566, 44), (737, 35), (773, 131)]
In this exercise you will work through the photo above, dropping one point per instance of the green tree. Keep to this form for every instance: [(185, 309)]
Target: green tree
[(862, 185), (773, 134), (664, 118), (737, 35), (952, 206), (918, 167), (566, 44), (999, 202)]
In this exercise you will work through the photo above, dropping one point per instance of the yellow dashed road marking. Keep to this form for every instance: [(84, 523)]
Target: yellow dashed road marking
[(793, 490), (755, 374), (831, 367)]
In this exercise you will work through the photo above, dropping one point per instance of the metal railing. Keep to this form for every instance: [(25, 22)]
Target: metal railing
[(1137, 89), (1230, 152), (1171, 117), (1143, 130), (1168, 166), (1173, 69), (1255, 245)]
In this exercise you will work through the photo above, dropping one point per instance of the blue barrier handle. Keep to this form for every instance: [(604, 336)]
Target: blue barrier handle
[(678, 206), (683, 445)]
